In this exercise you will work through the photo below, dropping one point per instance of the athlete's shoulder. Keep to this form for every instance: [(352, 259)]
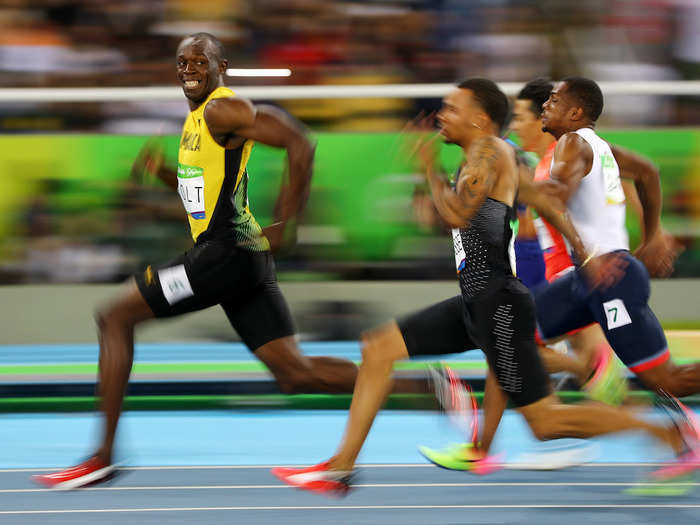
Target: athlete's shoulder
[(490, 146), (226, 114), (572, 144)]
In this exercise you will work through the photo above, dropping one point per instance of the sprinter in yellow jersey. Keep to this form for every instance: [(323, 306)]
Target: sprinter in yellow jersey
[(230, 263)]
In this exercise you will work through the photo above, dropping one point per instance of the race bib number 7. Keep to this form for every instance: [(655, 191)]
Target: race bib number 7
[(190, 186), (616, 313)]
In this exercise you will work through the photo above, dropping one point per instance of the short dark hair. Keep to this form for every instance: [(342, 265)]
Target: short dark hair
[(211, 38), (491, 99), (537, 91), (587, 93)]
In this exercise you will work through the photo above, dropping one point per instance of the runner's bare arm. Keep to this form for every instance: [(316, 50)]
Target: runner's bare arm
[(633, 203), (229, 117), (647, 183), (477, 180), (658, 250), (552, 209), (573, 158), (150, 162)]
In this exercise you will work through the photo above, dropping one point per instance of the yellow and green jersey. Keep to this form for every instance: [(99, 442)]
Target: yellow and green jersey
[(213, 183)]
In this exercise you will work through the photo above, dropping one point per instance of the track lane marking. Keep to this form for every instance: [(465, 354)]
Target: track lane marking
[(350, 507), (511, 466), (368, 485)]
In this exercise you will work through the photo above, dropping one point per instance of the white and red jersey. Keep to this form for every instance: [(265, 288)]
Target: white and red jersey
[(555, 249)]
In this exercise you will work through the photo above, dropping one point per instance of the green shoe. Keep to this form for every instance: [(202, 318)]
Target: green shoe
[(676, 487), (608, 383), (462, 456)]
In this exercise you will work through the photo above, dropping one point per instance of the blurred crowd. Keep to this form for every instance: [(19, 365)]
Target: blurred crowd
[(132, 43), (73, 216)]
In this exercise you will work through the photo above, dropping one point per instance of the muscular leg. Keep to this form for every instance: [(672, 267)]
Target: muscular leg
[(296, 372), (116, 325), (381, 348), (678, 380), (586, 342), (265, 311), (495, 401), (550, 419), (580, 365), (557, 362), (642, 342)]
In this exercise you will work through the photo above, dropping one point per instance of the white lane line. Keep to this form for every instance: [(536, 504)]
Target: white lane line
[(352, 507), (375, 485), (514, 466)]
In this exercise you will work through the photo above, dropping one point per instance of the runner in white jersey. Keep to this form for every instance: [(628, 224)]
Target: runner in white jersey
[(597, 207), (587, 179)]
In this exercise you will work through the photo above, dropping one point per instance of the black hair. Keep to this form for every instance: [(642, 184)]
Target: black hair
[(211, 38), (587, 93), (537, 91), (491, 99)]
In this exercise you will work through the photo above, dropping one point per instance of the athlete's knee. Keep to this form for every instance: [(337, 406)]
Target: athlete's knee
[(679, 381), (544, 421), (374, 354), (676, 380), (108, 318), (541, 427), (546, 430), (383, 346), (113, 317)]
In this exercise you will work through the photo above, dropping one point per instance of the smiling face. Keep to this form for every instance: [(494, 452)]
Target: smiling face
[(199, 68), (457, 116)]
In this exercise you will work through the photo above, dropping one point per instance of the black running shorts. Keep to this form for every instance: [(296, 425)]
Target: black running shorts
[(244, 283), (437, 330), (502, 324)]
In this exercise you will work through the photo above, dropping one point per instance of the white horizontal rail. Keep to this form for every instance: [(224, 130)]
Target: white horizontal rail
[(174, 93)]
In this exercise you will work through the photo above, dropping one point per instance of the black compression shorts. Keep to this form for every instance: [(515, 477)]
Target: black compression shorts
[(437, 330), (502, 324), (244, 283)]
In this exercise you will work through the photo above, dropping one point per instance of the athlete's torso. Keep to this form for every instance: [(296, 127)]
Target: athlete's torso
[(213, 184), (484, 253), (597, 207)]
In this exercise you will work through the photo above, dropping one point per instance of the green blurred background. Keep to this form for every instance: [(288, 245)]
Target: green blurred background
[(70, 210)]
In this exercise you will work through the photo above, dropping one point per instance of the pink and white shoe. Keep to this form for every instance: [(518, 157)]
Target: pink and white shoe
[(688, 460), (457, 400), (318, 478)]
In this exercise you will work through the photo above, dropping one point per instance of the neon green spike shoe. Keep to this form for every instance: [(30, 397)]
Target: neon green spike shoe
[(464, 457), (675, 487), (608, 383)]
